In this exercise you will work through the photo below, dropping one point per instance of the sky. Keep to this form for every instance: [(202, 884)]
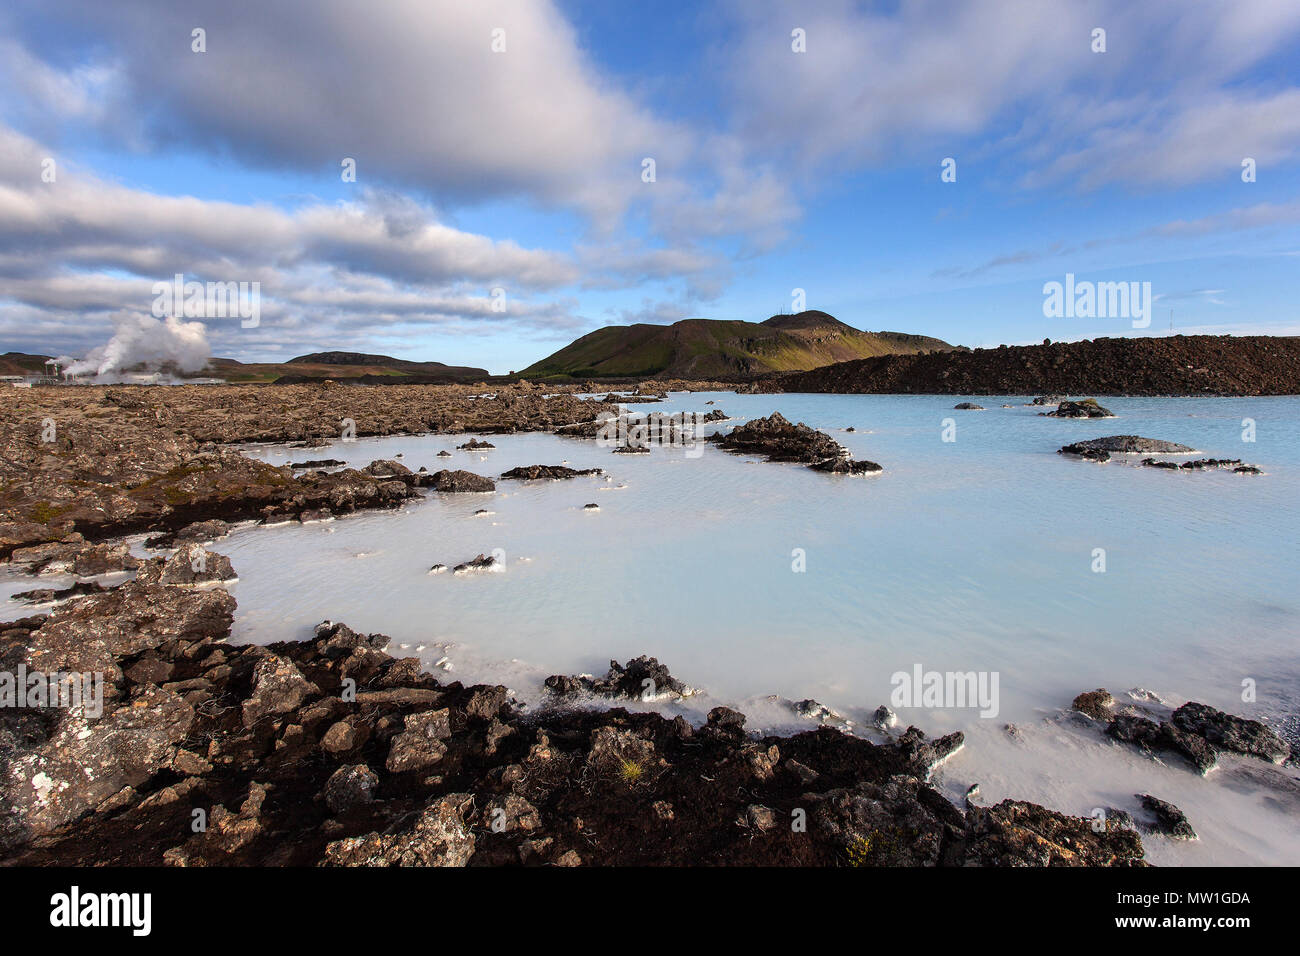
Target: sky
[(924, 166)]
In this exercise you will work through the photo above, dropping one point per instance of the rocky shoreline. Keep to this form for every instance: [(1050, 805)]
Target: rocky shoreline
[(102, 462), (332, 752)]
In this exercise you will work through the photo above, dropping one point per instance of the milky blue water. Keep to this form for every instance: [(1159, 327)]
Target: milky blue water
[(976, 554), (972, 554)]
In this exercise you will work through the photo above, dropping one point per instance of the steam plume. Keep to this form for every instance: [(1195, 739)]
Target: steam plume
[(143, 339)]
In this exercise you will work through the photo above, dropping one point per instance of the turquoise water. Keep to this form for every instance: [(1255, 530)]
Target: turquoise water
[(976, 554)]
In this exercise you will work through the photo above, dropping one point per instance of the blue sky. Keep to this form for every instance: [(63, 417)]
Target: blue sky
[(521, 169)]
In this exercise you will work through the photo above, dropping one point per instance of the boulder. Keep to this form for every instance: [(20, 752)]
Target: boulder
[(1227, 732), (460, 481), (1166, 819), (440, 837), (1095, 703), (1127, 444), (638, 679), (422, 742), (349, 786), (191, 564), (1085, 408), (780, 440), (548, 472), (278, 688)]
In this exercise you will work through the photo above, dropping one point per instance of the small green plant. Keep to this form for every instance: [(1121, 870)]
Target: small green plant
[(879, 848), (43, 512), (629, 771), (859, 851)]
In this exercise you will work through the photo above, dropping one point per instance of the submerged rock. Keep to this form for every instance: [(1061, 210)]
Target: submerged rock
[(642, 678), (1227, 732), (1128, 444), (1147, 734), (922, 755), (846, 466), (1085, 408), (1200, 464), (481, 562), (475, 445), (460, 481), (1168, 820), (1200, 733), (968, 407), (1096, 703), (780, 440), (387, 469), (548, 472)]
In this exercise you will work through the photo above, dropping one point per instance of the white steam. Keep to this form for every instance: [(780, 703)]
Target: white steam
[(142, 339)]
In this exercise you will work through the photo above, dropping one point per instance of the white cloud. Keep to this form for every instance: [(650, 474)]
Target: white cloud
[(83, 253), (1166, 103), (409, 89)]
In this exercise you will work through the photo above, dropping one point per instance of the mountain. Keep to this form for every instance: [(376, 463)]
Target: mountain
[(352, 366), (22, 363), (712, 348)]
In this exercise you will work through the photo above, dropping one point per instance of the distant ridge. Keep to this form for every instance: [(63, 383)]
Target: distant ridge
[(22, 363), (360, 367), (721, 349), (1165, 365)]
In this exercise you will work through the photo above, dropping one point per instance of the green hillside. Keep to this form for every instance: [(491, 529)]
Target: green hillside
[(710, 348)]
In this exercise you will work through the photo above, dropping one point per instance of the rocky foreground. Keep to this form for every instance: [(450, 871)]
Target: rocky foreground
[(332, 752)]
